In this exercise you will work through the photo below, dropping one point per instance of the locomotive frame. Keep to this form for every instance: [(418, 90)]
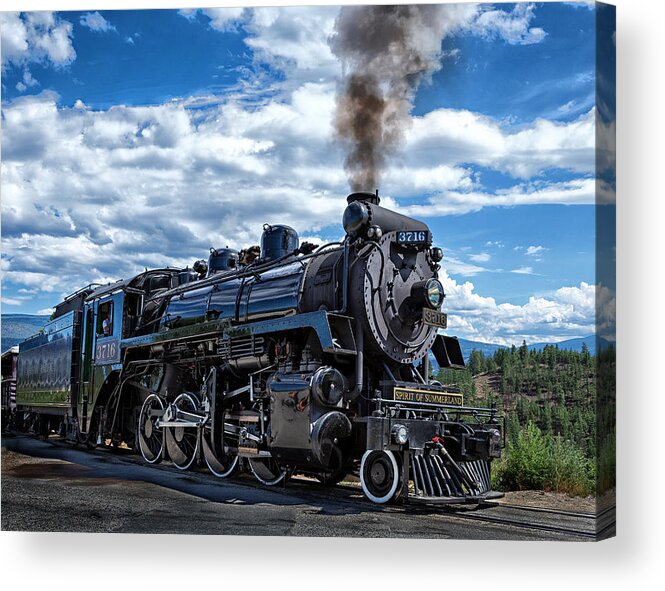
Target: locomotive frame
[(282, 358)]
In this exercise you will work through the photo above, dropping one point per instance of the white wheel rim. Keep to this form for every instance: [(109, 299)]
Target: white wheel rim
[(161, 449), (266, 481), (215, 465), (225, 473), (194, 403), (389, 495)]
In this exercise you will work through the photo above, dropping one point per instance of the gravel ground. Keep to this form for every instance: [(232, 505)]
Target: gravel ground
[(550, 500), (53, 487)]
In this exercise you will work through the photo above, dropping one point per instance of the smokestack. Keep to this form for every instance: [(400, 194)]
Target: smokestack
[(385, 53)]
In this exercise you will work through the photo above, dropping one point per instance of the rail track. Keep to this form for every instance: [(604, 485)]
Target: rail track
[(584, 525), (580, 525), (568, 524)]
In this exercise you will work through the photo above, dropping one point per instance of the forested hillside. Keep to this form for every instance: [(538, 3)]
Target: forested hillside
[(549, 399)]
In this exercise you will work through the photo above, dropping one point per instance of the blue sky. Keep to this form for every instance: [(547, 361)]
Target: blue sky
[(142, 138)]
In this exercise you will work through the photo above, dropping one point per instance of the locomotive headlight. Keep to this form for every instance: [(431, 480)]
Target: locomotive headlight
[(495, 436), (400, 434), (434, 293), (328, 386), (355, 217)]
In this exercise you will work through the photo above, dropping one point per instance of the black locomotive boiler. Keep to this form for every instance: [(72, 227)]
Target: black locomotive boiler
[(280, 359)]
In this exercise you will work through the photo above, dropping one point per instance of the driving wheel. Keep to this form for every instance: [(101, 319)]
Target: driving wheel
[(182, 443), (267, 471), (220, 449), (151, 439)]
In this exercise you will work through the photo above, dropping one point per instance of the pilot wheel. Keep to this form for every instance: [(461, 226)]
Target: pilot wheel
[(380, 476)]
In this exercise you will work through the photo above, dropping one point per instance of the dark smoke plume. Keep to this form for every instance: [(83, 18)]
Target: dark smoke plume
[(385, 52)]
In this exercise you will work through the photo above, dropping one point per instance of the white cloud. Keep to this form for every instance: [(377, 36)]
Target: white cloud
[(214, 175), (96, 22), (44, 282), (295, 39), (523, 271), (455, 136), (36, 37), (566, 313), (221, 19), (26, 82), (579, 191), (148, 186), (442, 144), (535, 250), (513, 27), (589, 5), (11, 301), (482, 257), (458, 267)]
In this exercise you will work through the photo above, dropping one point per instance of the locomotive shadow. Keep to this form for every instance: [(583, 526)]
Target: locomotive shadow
[(105, 467)]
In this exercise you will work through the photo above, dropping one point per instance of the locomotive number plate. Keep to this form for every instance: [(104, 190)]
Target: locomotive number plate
[(107, 351), (435, 318), (427, 396), (415, 237)]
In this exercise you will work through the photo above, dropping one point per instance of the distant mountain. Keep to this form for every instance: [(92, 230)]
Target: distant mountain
[(571, 345), (18, 327), (486, 349), (592, 342)]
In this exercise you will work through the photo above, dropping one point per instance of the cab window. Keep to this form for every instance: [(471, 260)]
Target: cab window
[(105, 319)]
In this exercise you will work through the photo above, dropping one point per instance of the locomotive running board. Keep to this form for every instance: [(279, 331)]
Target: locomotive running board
[(323, 323)]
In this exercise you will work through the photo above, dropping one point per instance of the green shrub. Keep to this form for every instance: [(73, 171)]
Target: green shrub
[(534, 461), (570, 470)]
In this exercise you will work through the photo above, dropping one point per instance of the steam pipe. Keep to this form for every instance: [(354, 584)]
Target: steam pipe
[(345, 284), (414, 371), (426, 368), (360, 344), (389, 373), (345, 280)]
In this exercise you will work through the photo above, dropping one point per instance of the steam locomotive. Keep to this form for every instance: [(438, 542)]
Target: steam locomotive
[(282, 358)]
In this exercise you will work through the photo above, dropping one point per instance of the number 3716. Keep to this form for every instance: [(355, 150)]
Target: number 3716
[(412, 236), (106, 350)]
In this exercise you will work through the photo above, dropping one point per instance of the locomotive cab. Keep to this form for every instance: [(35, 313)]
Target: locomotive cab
[(110, 314), (103, 315)]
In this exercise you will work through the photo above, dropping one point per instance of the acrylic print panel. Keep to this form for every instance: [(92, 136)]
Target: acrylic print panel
[(202, 333)]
